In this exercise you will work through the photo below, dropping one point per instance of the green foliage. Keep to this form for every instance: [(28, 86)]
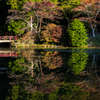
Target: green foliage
[(54, 95), (17, 93), (32, 14), (37, 96), (69, 4), (77, 62), (16, 66), (54, 1), (78, 33), (69, 92), (18, 4), (16, 27)]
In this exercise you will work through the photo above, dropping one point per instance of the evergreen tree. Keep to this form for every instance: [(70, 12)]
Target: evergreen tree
[(77, 33)]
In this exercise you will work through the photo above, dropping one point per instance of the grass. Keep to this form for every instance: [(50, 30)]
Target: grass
[(92, 42), (22, 45)]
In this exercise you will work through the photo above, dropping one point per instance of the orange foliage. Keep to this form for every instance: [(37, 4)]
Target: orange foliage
[(53, 33), (47, 33), (52, 60)]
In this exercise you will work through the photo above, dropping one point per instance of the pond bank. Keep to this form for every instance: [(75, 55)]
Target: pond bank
[(38, 46), (93, 42), (25, 46)]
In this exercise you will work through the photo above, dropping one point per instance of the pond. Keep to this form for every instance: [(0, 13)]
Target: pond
[(50, 74)]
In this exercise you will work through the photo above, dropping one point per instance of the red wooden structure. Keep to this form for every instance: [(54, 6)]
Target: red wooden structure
[(8, 37), (8, 54)]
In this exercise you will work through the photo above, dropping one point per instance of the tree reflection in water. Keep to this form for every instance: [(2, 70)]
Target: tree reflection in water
[(47, 75), (92, 81), (86, 74), (77, 61), (22, 68), (52, 60), (34, 64)]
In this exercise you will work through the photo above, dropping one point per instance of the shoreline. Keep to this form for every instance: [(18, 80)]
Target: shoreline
[(25, 46)]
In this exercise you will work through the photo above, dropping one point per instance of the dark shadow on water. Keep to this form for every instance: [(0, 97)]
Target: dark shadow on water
[(4, 45), (4, 86), (4, 79)]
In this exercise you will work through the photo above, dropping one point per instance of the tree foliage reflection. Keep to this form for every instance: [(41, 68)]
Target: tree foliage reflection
[(67, 91), (24, 71), (78, 61), (52, 60)]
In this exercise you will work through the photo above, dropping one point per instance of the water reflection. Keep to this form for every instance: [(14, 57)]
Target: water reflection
[(7, 53), (50, 75), (92, 81), (52, 59), (77, 61)]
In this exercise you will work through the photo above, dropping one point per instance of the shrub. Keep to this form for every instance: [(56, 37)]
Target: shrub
[(53, 33), (77, 33), (16, 27)]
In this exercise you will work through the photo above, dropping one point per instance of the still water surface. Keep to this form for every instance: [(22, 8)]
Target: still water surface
[(50, 74)]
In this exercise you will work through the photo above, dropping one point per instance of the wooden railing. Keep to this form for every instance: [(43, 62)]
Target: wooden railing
[(8, 54), (8, 37)]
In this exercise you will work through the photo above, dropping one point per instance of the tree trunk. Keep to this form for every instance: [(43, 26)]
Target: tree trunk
[(93, 32), (31, 24), (32, 69), (93, 58)]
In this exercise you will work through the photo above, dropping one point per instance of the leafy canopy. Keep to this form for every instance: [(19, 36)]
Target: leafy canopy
[(77, 33), (18, 4), (33, 14)]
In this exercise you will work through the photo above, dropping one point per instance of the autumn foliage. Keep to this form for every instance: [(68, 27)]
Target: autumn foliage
[(91, 8), (35, 14), (52, 60), (43, 9), (53, 33)]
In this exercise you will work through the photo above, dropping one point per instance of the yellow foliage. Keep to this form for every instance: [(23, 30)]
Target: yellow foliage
[(52, 60), (46, 35)]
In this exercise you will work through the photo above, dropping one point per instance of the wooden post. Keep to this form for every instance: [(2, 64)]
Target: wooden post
[(9, 37), (4, 37), (15, 37)]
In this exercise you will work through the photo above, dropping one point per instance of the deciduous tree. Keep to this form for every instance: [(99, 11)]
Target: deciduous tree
[(91, 9), (18, 4), (66, 6), (53, 33), (33, 14)]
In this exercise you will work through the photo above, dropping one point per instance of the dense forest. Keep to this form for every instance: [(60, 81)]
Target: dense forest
[(58, 22)]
